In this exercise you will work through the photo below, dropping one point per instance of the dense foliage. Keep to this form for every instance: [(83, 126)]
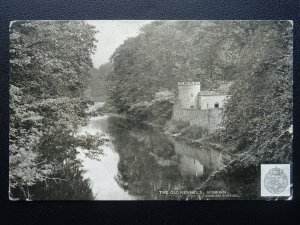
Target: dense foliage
[(257, 55), (50, 61), (166, 52), (258, 116)]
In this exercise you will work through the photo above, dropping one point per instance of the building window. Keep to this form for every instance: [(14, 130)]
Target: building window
[(216, 105), (192, 95), (192, 106)]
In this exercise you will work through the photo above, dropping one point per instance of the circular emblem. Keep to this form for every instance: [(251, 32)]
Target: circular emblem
[(275, 181)]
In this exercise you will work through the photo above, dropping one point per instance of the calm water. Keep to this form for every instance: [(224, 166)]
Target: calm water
[(102, 173), (139, 161)]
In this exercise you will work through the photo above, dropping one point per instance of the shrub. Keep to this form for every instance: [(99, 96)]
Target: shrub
[(175, 127), (193, 132)]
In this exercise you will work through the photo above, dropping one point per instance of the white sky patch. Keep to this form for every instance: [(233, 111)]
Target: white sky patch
[(112, 33)]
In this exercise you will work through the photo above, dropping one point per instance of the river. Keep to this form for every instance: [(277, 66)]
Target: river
[(141, 162), (138, 162)]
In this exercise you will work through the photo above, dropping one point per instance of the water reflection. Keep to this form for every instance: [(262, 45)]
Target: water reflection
[(189, 166), (150, 161), (102, 173), (138, 162), (209, 159)]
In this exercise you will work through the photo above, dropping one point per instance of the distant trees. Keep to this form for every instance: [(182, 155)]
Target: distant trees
[(98, 84), (50, 61)]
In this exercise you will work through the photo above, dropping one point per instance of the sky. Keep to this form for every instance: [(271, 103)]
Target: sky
[(112, 33)]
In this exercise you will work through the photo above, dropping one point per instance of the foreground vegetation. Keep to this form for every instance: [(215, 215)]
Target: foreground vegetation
[(50, 61)]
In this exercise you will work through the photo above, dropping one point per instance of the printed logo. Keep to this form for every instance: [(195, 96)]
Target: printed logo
[(275, 180)]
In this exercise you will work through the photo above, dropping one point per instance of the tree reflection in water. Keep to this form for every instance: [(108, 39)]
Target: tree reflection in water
[(149, 162)]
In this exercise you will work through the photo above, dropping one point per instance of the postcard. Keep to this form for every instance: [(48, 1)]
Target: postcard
[(151, 110)]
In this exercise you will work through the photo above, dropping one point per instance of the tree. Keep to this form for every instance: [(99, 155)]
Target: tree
[(259, 112), (50, 61), (166, 52), (255, 54)]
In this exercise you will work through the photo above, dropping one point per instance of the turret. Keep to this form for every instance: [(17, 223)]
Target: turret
[(187, 94)]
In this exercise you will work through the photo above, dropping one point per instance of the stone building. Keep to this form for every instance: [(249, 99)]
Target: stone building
[(190, 96), (201, 108)]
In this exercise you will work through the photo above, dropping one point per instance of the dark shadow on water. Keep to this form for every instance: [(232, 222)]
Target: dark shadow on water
[(151, 162)]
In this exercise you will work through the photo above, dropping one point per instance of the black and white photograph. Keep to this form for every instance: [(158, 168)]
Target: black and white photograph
[(151, 110)]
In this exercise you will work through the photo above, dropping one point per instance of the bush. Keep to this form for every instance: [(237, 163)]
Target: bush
[(193, 132), (139, 111), (158, 111), (175, 127)]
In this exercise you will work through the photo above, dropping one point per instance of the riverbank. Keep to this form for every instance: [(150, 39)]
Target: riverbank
[(181, 131), (142, 145), (187, 152), (192, 134), (228, 175)]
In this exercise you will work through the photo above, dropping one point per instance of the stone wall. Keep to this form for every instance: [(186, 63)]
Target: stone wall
[(208, 118), (209, 101)]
